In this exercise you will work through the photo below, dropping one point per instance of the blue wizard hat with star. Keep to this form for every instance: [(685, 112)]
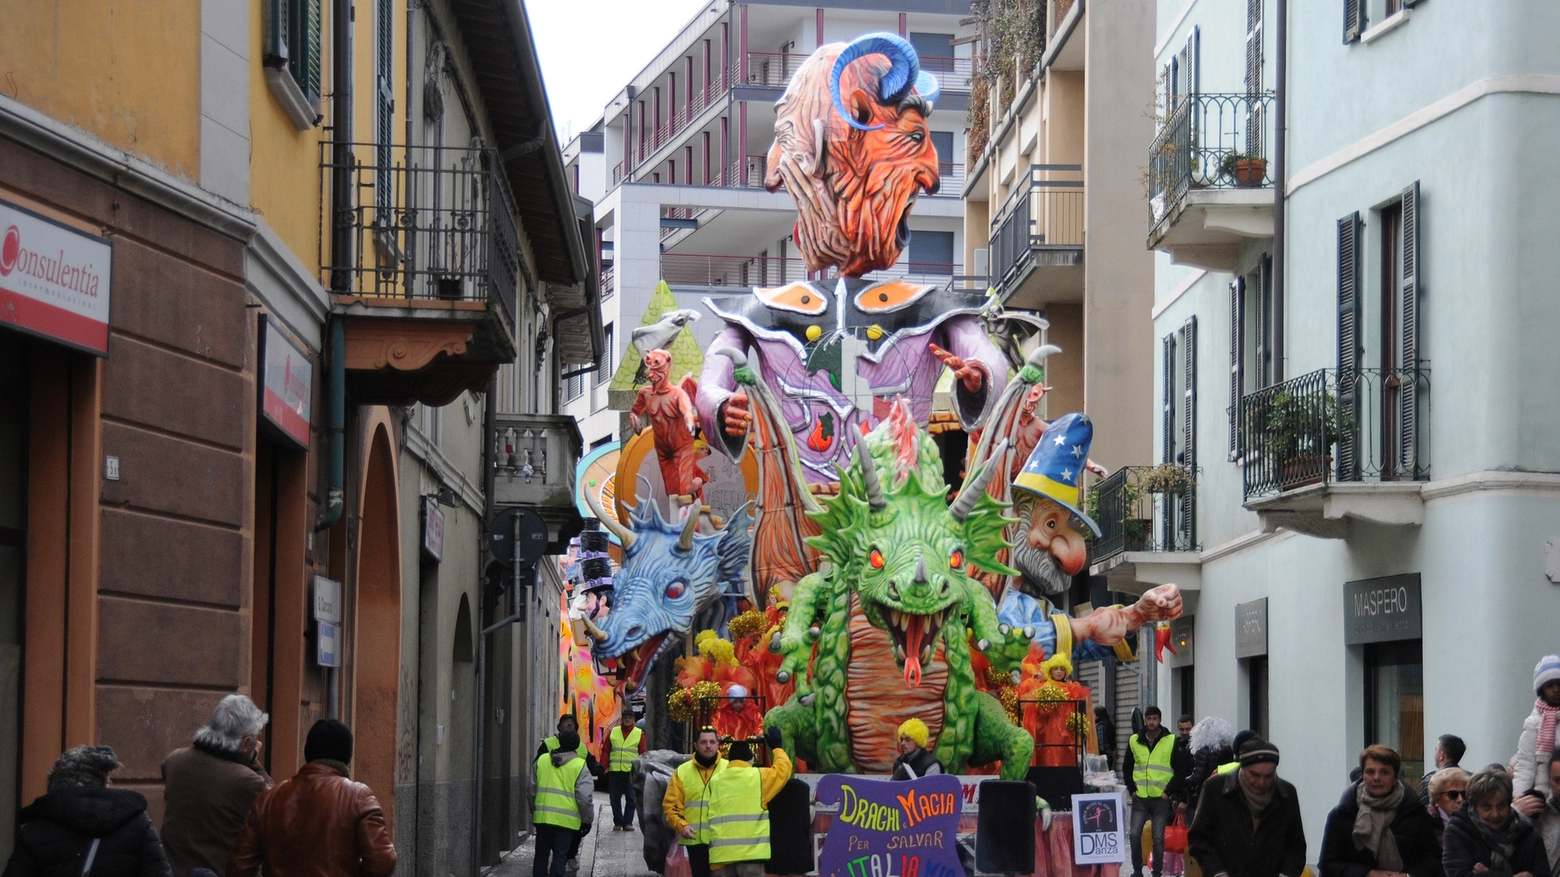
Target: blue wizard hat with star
[(1057, 462)]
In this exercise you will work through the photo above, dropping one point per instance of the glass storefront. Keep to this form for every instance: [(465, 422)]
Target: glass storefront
[(1395, 702), (13, 547)]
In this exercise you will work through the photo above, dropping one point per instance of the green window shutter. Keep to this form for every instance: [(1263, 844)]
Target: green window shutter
[(1350, 344), (313, 34), (1353, 20), (277, 33), (1408, 333)]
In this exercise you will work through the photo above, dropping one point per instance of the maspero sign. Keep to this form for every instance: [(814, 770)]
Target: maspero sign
[(1382, 610)]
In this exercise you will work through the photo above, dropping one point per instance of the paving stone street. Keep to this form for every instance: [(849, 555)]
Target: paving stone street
[(605, 852)]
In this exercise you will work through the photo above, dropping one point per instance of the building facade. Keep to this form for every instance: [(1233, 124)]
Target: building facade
[(301, 269), (1354, 369)]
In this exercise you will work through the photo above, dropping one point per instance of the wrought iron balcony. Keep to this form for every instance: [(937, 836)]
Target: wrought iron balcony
[(1354, 426), (1037, 238), (1212, 153), (1145, 508), (427, 224)]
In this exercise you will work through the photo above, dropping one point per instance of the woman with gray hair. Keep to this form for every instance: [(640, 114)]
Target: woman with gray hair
[(210, 785), (1486, 837)]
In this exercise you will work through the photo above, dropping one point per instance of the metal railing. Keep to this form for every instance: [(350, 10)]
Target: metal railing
[(773, 68), (953, 74), (741, 271), (1361, 425), (1045, 211), (1146, 508), (659, 133), (950, 177), (426, 223), (1209, 141), (608, 281)]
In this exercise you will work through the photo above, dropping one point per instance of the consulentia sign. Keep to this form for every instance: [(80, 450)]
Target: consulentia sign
[(54, 280)]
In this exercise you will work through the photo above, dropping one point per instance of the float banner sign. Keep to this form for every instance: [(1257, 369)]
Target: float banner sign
[(1099, 829), (54, 280), (891, 829), (1382, 610)]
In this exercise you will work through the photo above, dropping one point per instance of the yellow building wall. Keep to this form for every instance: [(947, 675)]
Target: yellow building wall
[(284, 163), (125, 71)]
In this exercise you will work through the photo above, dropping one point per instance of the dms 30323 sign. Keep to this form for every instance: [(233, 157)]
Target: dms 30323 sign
[(54, 280)]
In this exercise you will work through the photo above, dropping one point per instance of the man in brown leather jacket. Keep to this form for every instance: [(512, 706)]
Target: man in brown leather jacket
[(319, 823)]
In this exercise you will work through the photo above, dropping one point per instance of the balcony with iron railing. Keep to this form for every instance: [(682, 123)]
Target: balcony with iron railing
[(1037, 238), (1210, 177), (1330, 445), (422, 258), (1148, 526)]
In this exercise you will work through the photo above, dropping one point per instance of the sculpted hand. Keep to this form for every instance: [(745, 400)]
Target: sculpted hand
[(1158, 604), (969, 374), (735, 414)]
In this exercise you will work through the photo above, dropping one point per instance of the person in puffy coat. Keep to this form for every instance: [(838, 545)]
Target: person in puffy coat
[(1380, 827), (1486, 837), (81, 818)]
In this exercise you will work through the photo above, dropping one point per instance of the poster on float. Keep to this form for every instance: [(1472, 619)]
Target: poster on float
[(1099, 829), (891, 829)]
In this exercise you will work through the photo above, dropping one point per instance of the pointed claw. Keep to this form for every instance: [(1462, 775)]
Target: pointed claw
[(983, 644), (774, 643), (1029, 633), (807, 699), (1004, 629), (1018, 676), (783, 676), (813, 633)]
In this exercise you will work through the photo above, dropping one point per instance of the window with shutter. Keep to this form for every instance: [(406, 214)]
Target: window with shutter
[(1351, 350), (292, 57), (1237, 362), (384, 105), (1409, 392), (1168, 443), (1185, 529), (1254, 113), (1353, 20)]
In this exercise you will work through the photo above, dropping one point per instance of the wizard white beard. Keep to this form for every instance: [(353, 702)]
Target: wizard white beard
[(1038, 565)]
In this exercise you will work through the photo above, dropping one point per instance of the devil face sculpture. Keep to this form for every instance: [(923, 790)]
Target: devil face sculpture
[(672, 578), (853, 150)]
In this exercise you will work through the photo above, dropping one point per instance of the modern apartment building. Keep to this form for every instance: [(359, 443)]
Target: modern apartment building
[(274, 294), (1053, 213), (1355, 373), (676, 169)]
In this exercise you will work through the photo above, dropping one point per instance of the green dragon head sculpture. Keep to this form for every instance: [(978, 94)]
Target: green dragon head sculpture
[(891, 531)]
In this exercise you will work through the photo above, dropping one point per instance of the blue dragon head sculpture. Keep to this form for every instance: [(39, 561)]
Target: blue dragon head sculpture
[(672, 580)]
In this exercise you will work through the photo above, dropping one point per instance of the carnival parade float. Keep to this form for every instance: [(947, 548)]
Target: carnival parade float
[(789, 551)]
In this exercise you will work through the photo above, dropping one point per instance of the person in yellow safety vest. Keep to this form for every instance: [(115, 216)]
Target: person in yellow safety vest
[(686, 803), (567, 722), (624, 744), (1148, 772), (562, 806), (739, 808)]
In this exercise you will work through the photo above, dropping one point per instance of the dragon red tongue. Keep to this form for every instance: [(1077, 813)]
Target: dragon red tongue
[(913, 632)]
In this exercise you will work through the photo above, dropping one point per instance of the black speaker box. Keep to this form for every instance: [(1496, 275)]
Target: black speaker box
[(1005, 836), (1057, 785), (790, 830)]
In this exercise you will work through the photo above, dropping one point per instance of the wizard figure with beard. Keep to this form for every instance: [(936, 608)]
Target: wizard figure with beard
[(853, 150), (1049, 549)]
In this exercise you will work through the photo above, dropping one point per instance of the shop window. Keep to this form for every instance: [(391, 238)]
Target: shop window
[(1257, 695), (1395, 701), (1186, 691), (13, 546)]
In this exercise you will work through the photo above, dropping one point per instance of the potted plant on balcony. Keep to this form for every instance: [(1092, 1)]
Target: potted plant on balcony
[(1297, 431), (1248, 171)]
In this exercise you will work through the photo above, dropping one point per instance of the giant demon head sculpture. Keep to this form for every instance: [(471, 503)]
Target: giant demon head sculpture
[(853, 150)]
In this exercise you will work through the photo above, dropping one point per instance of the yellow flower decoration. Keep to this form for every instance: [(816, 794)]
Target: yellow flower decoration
[(749, 623)]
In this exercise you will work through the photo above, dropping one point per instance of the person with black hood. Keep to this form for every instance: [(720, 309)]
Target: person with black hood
[(1380, 828), (1486, 837), (81, 826), (1248, 820)]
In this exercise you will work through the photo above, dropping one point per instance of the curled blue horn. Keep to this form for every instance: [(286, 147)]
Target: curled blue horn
[(903, 73)]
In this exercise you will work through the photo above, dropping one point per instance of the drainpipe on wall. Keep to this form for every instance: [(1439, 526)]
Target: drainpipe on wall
[(1281, 77), (341, 134), (335, 465)]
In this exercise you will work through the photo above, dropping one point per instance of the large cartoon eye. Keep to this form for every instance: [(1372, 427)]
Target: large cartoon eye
[(675, 590), (876, 559), (956, 560)]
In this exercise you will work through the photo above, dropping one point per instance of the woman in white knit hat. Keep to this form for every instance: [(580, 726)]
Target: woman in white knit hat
[(1538, 732)]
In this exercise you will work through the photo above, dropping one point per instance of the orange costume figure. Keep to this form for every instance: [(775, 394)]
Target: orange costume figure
[(1050, 715), (675, 423)]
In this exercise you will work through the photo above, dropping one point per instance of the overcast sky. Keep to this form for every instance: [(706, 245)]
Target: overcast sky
[(591, 48)]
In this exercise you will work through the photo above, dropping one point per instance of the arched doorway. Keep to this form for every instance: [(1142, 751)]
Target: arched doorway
[(376, 664)]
